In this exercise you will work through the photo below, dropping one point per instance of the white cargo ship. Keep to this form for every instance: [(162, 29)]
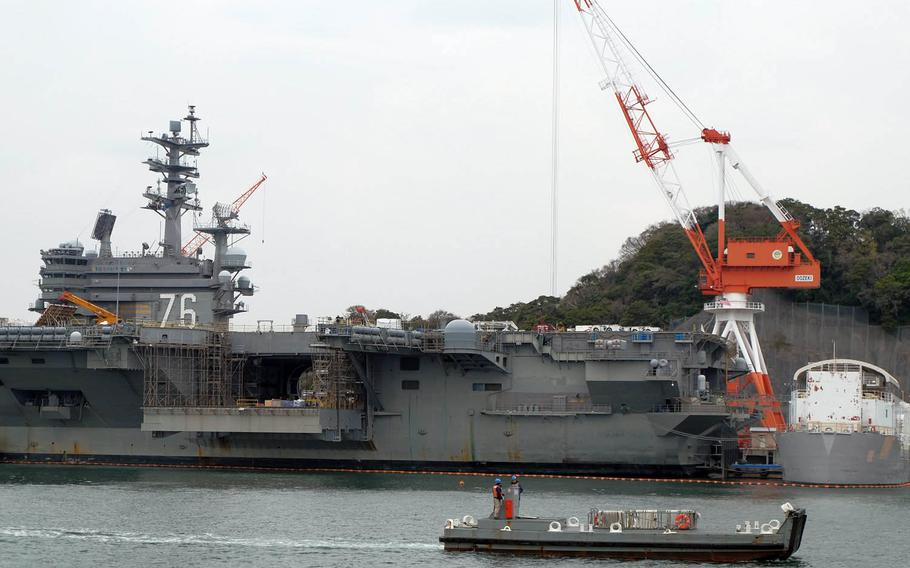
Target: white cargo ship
[(849, 424)]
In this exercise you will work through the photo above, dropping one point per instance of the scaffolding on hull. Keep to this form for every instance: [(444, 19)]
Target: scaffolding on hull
[(333, 382), (203, 374)]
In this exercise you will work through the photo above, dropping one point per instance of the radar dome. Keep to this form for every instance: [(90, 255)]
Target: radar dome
[(234, 256), (224, 277), (460, 325), (244, 282), (460, 334)]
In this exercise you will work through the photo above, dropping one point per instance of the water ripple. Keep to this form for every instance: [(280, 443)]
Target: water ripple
[(209, 540)]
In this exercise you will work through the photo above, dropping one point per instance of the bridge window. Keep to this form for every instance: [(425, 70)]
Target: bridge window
[(409, 364), (37, 360), (4, 361), (750, 255), (481, 387), (410, 385)]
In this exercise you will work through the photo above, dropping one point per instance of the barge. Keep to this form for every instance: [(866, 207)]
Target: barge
[(632, 535)]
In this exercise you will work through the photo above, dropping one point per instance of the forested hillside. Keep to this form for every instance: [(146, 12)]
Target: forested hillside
[(865, 262)]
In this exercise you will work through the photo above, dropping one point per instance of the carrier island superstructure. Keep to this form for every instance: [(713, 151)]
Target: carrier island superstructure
[(171, 380)]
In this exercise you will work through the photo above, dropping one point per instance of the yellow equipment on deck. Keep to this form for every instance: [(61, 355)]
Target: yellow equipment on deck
[(102, 316)]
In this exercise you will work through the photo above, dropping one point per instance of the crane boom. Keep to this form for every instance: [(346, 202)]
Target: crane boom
[(651, 145), (195, 243), (102, 316), (238, 203), (200, 239)]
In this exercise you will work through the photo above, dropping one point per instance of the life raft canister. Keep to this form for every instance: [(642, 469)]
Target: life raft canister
[(683, 521)]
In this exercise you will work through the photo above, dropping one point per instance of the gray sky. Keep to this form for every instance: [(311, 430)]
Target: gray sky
[(407, 143)]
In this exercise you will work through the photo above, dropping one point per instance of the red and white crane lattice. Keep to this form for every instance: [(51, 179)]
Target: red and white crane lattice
[(740, 264), (200, 239)]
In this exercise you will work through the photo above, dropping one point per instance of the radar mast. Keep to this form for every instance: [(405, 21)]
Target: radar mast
[(177, 173)]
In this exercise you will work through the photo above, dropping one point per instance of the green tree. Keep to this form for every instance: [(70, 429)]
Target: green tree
[(865, 259), (383, 313), (439, 319)]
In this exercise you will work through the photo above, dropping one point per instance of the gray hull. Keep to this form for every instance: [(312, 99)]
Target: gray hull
[(446, 424), (859, 458), (126, 446)]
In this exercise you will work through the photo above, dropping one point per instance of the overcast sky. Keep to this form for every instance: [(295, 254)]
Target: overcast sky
[(407, 142)]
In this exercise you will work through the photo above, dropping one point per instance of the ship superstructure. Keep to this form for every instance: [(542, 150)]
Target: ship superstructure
[(173, 381), (848, 424), (162, 285)]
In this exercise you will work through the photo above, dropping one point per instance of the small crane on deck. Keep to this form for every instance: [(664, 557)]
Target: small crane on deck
[(740, 264), (102, 316)]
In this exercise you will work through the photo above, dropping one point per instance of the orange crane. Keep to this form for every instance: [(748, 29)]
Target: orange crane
[(200, 239), (739, 265), (102, 316)]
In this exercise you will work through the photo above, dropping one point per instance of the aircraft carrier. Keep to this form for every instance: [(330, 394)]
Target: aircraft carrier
[(144, 366)]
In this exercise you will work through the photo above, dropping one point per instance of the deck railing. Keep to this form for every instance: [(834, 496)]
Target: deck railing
[(655, 519), (839, 428)]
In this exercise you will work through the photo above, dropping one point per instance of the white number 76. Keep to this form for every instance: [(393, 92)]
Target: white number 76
[(185, 312)]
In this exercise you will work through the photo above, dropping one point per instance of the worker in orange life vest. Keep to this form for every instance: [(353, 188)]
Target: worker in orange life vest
[(497, 498)]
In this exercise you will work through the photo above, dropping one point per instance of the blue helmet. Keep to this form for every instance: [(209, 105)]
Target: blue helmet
[(514, 478), (498, 481)]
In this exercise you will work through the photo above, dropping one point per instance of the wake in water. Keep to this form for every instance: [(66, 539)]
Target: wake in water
[(208, 540)]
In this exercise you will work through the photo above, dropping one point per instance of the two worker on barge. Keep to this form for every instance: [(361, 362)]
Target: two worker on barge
[(506, 500)]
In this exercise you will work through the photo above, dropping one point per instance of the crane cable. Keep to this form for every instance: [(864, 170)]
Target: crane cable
[(654, 74), (554, 201)]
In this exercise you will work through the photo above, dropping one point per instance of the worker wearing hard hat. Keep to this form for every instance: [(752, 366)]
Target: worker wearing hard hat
[(497, 498), (514, 493)]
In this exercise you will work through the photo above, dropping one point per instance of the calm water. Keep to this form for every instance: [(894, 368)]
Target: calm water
[(88, 516)]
